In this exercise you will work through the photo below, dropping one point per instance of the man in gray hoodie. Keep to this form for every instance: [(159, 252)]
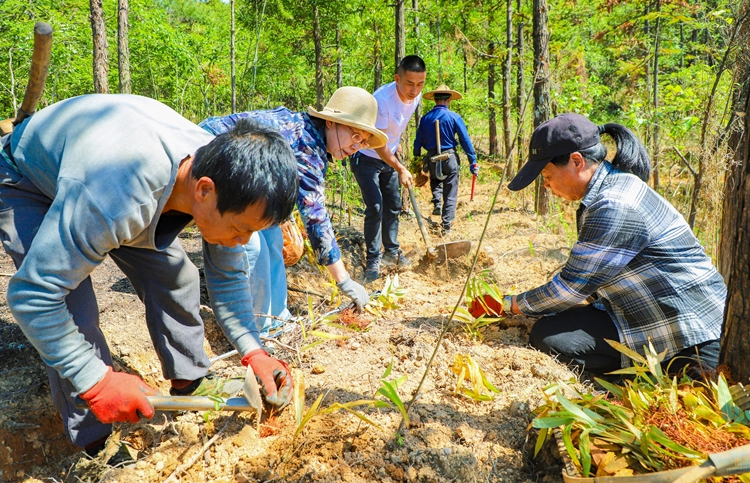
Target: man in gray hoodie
[(122, 175)]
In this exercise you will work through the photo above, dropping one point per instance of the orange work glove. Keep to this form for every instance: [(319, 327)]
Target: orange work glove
[(274, 375), (120, 397), (491, 307)]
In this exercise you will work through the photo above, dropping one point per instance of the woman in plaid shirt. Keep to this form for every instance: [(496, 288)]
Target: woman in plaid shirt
[(636, 257)]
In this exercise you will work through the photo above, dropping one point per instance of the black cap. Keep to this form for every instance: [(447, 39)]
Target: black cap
[(563, 134)]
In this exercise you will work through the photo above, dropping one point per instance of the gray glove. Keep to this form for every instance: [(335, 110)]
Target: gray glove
[(355, 291)]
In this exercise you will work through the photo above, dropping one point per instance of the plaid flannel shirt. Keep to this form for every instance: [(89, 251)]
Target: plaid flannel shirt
[(636, 254)]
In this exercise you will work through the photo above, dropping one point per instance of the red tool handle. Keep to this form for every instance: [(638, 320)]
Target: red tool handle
[(473, 185)]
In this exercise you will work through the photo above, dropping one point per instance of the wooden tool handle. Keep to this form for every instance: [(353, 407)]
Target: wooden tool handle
[(39, 68)]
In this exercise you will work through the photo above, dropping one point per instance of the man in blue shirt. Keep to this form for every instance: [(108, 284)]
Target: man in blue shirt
[(444, 188)]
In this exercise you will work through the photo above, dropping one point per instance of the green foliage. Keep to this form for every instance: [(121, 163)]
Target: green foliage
[(389, 389), (601, 62)]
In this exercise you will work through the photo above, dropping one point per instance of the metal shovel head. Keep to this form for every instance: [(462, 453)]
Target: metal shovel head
[(454, 249), (252, 394)]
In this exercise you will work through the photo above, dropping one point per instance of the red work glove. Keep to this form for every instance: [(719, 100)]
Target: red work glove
[(274, 375), (491, 307), (120, 397)]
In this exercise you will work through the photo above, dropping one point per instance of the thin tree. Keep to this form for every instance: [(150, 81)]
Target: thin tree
[(339, 60), (232, 56), (400, 50), (507, 63), (466, 60), (415, 8), (520, 81), (655, 92), (123, 47), (542, 109), (378, 64), (492, 116), (734, 258), (101, 56), (318, 41)]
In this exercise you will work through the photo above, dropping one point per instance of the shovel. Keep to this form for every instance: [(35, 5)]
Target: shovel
[(189, 403)]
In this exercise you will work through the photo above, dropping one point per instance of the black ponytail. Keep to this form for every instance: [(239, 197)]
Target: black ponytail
[(631, 155)]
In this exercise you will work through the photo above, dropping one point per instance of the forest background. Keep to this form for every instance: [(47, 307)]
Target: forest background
[(664, 68)]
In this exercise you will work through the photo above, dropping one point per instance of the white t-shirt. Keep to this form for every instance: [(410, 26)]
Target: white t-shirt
[(393, 116)]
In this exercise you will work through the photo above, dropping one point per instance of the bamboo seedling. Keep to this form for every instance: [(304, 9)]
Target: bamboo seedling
[(467, 370), (388, 298), (303, 417), (389, 389)]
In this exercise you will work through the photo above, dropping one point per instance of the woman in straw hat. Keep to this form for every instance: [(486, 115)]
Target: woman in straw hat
[(344, 126)]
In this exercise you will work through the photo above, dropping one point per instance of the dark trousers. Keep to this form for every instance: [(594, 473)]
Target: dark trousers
[(380, 192), (166, 281), (445, 191), (577, 336)]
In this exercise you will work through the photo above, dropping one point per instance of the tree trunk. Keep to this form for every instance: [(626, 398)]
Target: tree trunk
[(655, 90), (378, 68), (520, 94), (466, 63), (415, 8), (507, 63), (400, 50), (439, 53), (101, 55), (123, 48), (232, 57), (734, 258), (418, 111), (339, 61), (491, 98), (647, 68), (318, 41), (542, 109)]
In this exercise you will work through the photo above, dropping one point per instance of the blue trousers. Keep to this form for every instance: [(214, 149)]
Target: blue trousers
[(167, 282), (268, 277), (445, 191), (380, 192)]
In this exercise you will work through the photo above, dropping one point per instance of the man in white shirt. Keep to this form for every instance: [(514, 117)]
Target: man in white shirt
[(379, 173)]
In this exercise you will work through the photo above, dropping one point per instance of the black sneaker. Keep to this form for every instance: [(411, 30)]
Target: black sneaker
[(372, 272), (445, 231), (438, 210), (398, 260)]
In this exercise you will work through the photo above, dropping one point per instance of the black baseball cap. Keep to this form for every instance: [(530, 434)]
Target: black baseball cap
[(563, 134)]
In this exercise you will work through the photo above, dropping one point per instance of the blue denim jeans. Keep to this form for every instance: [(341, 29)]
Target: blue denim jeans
[(380, 192), (267, 277)]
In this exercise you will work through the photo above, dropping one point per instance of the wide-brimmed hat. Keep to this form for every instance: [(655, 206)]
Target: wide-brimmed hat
[(443, 89), (355, 107), (564, 134)]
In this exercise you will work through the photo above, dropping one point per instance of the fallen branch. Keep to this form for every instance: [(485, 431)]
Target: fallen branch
[(186, 466)]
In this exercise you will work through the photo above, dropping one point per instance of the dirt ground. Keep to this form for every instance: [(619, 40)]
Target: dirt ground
[(450, 438)]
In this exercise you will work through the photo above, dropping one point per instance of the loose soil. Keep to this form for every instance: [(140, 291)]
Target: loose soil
[(450, 438)]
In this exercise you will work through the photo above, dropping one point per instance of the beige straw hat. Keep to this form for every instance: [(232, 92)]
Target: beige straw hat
[(355, 107), (443, 89)]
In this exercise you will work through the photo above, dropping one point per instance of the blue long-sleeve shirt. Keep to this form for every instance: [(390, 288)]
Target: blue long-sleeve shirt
[(451, 125)]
